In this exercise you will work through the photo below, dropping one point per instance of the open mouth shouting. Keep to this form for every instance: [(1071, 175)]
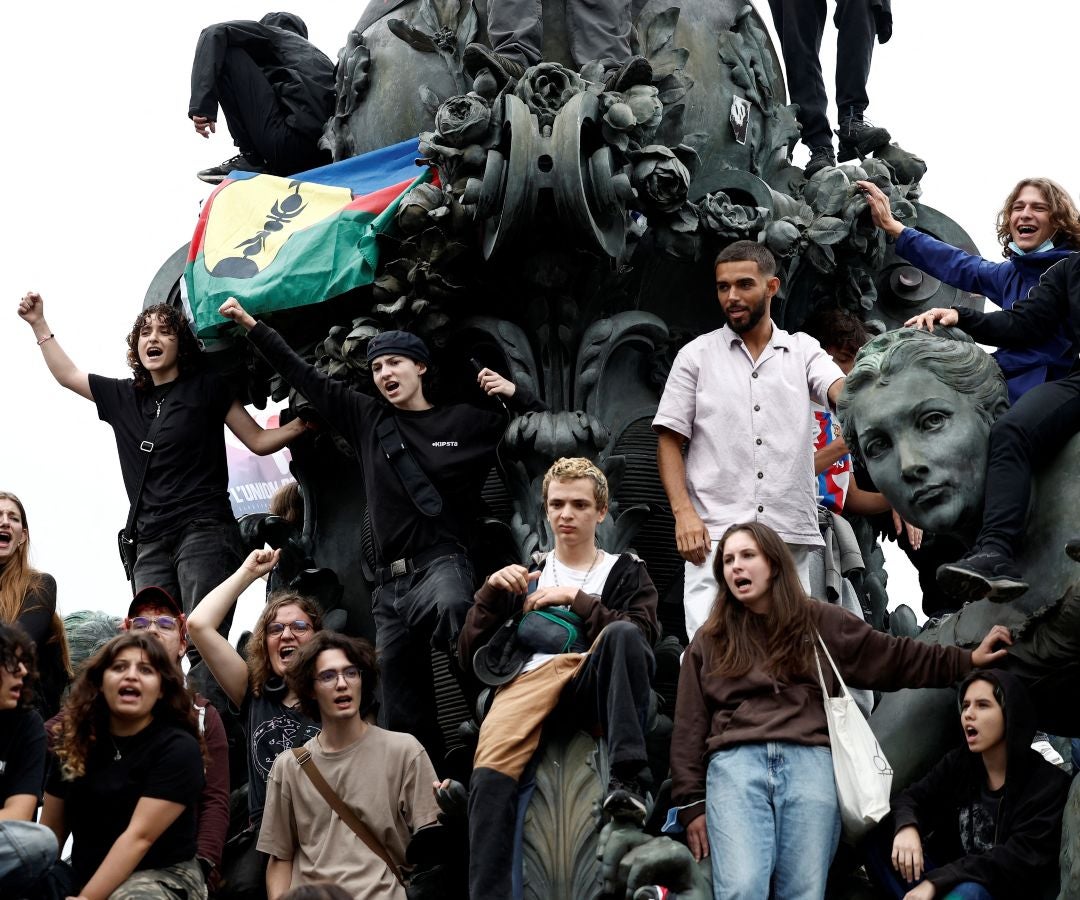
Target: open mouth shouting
[(7, 540)]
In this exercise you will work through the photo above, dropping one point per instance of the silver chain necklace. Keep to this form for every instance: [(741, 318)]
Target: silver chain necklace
[(118, 755), (555, 568)]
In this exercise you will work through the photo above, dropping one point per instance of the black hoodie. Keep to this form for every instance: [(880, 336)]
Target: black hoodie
[(1027, 833)]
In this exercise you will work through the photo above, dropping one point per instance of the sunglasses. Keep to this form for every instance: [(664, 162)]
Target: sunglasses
[(330, 676), (162, 623), (297, 627)]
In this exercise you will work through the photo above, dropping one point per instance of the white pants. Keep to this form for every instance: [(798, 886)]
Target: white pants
[(699, 585)]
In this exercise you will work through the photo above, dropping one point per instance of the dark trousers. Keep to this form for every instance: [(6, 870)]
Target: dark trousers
[(414, 614), (877, 853), (800, 25), (1025, 438), (257, 120), (611, 689), (596, 29)]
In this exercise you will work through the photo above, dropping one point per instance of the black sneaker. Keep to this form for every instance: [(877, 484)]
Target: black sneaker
[(859, 137), (984, 573), (478, 57), (635, 70), (820, 157), (239, 163), (626, 801)]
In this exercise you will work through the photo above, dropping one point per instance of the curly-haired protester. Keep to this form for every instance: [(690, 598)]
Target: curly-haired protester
[(26, 848), (127, 775), (186, 537), (751, 766), (269, 708), (384, 777), (28, 599), (1038, 226)]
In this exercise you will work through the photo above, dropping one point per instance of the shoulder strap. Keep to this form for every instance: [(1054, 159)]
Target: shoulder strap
[(147, 447), (419, 487), (344, 813), (836, 671)]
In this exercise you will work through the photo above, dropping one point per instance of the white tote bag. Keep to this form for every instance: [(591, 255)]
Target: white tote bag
[(863, 774)]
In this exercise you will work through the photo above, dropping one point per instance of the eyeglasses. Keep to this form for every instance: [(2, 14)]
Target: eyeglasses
[(330, 676), (297, 627), (162, 623)]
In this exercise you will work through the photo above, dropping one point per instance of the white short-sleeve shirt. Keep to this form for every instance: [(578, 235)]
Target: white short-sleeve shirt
[(748, 457)]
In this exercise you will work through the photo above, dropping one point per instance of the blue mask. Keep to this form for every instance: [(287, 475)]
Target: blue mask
[(1042, 248)]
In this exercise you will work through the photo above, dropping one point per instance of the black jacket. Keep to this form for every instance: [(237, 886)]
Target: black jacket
[(1053, 303), (1028, 827), (302, 75)]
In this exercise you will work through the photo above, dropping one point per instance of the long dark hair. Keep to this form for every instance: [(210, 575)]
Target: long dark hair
[(776, 641), (173, 319), (85, 716)]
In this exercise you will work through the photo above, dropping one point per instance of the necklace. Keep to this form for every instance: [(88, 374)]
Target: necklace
[(555, 568), (118, 756)]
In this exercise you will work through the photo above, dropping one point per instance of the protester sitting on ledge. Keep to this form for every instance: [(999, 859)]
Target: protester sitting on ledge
[(1038, 226), (423, 502), (751, 768), (383, 776), (985, 822), (1025, 437), (275, 88), (127, 778), (268, 708), (156, 613), (186, 539), (27, 849), (604, 679)]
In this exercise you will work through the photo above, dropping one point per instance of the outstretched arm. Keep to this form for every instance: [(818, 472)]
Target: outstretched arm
[(261, 441), (226, 664), (66, 373)]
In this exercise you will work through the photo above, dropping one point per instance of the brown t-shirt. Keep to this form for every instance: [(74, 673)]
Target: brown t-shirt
[(385, 777)]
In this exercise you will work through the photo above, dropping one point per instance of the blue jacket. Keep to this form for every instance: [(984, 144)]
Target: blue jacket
[(1003, 282)]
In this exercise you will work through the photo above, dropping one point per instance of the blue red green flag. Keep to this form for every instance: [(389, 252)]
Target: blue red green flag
[(279, 243)]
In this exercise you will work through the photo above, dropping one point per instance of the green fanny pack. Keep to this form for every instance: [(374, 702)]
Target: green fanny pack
[(552, 630)]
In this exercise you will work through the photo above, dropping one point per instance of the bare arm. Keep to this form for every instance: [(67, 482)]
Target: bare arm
[(880, 210), (691, 535), (66, 373), (225, 663), (19, 808), (829, 454), (260, 441), (150, 819), (53, 818), (278, 877), (834, 392)]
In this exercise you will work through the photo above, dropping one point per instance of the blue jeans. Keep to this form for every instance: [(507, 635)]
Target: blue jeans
[(414, 614), (773, 821), (27, 850)]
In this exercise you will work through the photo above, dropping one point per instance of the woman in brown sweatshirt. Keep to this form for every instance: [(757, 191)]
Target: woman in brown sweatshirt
[(751, 767)]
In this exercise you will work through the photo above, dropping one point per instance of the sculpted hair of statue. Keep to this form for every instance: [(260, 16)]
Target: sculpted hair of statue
[(948, 354)]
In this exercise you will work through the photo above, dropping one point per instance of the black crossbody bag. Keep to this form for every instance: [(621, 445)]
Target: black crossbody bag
[(126, 539)]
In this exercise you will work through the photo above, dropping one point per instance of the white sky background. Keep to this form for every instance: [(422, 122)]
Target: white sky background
[(100, 190)]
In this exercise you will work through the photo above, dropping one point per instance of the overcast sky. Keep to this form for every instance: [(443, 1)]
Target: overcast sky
[(101, 190)]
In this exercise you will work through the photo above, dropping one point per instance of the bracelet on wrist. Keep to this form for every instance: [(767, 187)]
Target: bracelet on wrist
[(47, 337)]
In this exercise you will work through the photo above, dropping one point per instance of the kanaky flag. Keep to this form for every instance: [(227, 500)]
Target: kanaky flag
[(279, 243)]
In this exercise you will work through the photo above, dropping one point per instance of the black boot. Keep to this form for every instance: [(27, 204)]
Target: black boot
[(820, 157), (858, 137)]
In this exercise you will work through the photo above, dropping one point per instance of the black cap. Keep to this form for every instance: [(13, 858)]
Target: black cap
[(401, 343), (154, 596)]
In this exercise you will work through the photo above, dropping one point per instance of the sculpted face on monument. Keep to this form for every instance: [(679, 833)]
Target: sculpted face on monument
[(917, 410)]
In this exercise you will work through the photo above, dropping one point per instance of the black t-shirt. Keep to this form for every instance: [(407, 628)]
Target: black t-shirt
[(22, 753), (271, 728), (978, 821), (454, 446), (161, 761), (188, 477)]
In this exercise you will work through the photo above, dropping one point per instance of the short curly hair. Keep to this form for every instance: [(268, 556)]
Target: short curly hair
[(300, 676), (172, 318), (16, 647), (569, 468)]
